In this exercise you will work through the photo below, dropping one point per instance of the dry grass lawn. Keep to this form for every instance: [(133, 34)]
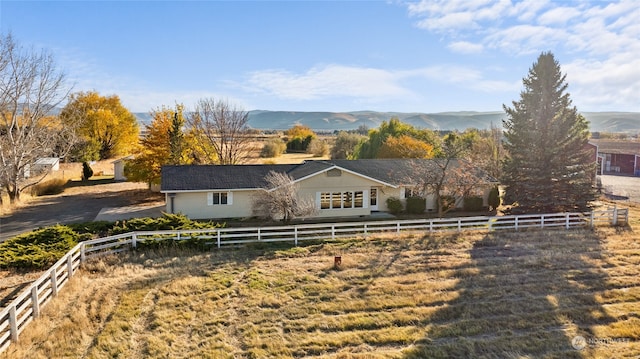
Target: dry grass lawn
[(499, 295)]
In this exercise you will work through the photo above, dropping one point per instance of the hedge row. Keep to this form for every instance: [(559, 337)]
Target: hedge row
[(43, 247)]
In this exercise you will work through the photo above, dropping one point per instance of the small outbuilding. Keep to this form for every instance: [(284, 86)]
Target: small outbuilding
[(618, 157)]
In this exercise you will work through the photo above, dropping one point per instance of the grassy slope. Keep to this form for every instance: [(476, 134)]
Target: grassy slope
[(468, 295)]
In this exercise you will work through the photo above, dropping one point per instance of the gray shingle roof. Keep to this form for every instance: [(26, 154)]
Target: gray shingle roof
[(225, 177), (617, 146)]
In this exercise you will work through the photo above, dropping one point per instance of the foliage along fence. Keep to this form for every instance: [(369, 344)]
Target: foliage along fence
[(27, 306)]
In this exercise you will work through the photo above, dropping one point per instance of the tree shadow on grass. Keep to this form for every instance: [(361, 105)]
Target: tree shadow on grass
[(521, 295)]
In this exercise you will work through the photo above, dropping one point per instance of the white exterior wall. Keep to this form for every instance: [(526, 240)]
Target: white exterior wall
[(194, 205), (311, 188), (118, 171)]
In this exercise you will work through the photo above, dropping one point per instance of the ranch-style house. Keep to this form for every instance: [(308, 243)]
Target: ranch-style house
[(338, 188)]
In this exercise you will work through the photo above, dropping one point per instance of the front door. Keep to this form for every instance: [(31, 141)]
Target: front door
[(373, 199)]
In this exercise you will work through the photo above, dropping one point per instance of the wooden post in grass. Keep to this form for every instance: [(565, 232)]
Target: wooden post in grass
[(13, 323), (54, 282), (35, 304)]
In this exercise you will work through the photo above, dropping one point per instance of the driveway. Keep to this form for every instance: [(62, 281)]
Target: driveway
[(624, 186), (83, 204)]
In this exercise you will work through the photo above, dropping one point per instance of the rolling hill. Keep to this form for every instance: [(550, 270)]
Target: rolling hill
[(329, 121)]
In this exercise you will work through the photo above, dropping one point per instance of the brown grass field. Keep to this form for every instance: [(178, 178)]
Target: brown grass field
[(467, 295)]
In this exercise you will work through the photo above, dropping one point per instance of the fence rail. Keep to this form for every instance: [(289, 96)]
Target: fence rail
[(28, 304)]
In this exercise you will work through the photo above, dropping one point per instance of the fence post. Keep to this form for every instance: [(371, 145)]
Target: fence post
[(70, 265), (567, 221), (13, 323), (333, 231), (134, 240), (35, 304), (459, 225), (516, 223), (431, 225), (542, 221), (615, 216), (592, 219), (54, 282), (398, 227), (295, 235), (83, 256), (258, 234), (218, 238)]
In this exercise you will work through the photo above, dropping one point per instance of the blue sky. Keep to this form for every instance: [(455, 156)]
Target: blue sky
[(404, 56)]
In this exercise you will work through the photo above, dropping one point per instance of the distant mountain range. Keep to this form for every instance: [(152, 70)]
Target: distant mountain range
[(329, 121)]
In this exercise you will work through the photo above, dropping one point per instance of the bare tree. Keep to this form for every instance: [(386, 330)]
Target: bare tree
[(30, 87), (221, 132), (449, 176), (281, 200)]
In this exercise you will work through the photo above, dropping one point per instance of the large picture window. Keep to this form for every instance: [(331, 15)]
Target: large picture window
[(340, 200)]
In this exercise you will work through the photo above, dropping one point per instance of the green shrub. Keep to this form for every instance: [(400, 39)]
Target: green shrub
[(473, 203), (273, 148), (87, 172), (394, 205), (416, 205), (298, 144), (38, 249), (97, 229), (49, 188), (494, 198), (166, 222)]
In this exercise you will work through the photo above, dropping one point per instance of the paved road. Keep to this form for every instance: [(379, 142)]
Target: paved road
[(622, 186), (78, 204)]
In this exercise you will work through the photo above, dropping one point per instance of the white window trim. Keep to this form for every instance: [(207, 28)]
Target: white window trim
[(365, 199), (210, 198)]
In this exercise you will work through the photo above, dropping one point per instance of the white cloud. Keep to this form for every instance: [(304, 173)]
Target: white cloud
[(559, 15), (465, 47), (328, 81), (368, 85), (600, 40)]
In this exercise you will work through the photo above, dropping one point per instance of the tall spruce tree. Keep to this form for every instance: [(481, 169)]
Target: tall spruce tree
[(548, 168)]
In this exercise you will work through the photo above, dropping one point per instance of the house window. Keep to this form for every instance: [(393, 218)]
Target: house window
[(411, 192), (218, 198), (339, 200), (325, 200)]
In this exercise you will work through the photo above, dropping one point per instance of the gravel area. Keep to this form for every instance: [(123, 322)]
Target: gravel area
[(622, 186)]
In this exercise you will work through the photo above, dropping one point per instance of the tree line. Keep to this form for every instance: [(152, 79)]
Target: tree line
[(540, 156)]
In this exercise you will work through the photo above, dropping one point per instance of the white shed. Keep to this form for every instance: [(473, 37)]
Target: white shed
[(118, 168)]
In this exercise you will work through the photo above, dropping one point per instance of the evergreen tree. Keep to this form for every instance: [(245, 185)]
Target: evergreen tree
[(177, 143), (547, 168)]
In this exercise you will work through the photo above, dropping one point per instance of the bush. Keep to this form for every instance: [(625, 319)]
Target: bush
[(318, 148), (49, 188), (166, 222), (273, 148), (87, 172), (494, 198), (473, 203), (394, 205), (416, 205), (39, 249), (298, 144)]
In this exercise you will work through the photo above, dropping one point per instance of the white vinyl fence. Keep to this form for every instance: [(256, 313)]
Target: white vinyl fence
[(27, 306)]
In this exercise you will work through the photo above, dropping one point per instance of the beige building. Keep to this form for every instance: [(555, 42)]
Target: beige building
[(338, 188)]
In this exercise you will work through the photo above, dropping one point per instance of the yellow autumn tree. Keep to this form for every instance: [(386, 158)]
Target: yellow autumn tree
[(105, 124), (164, 143), (405, 147), (298, 138)]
